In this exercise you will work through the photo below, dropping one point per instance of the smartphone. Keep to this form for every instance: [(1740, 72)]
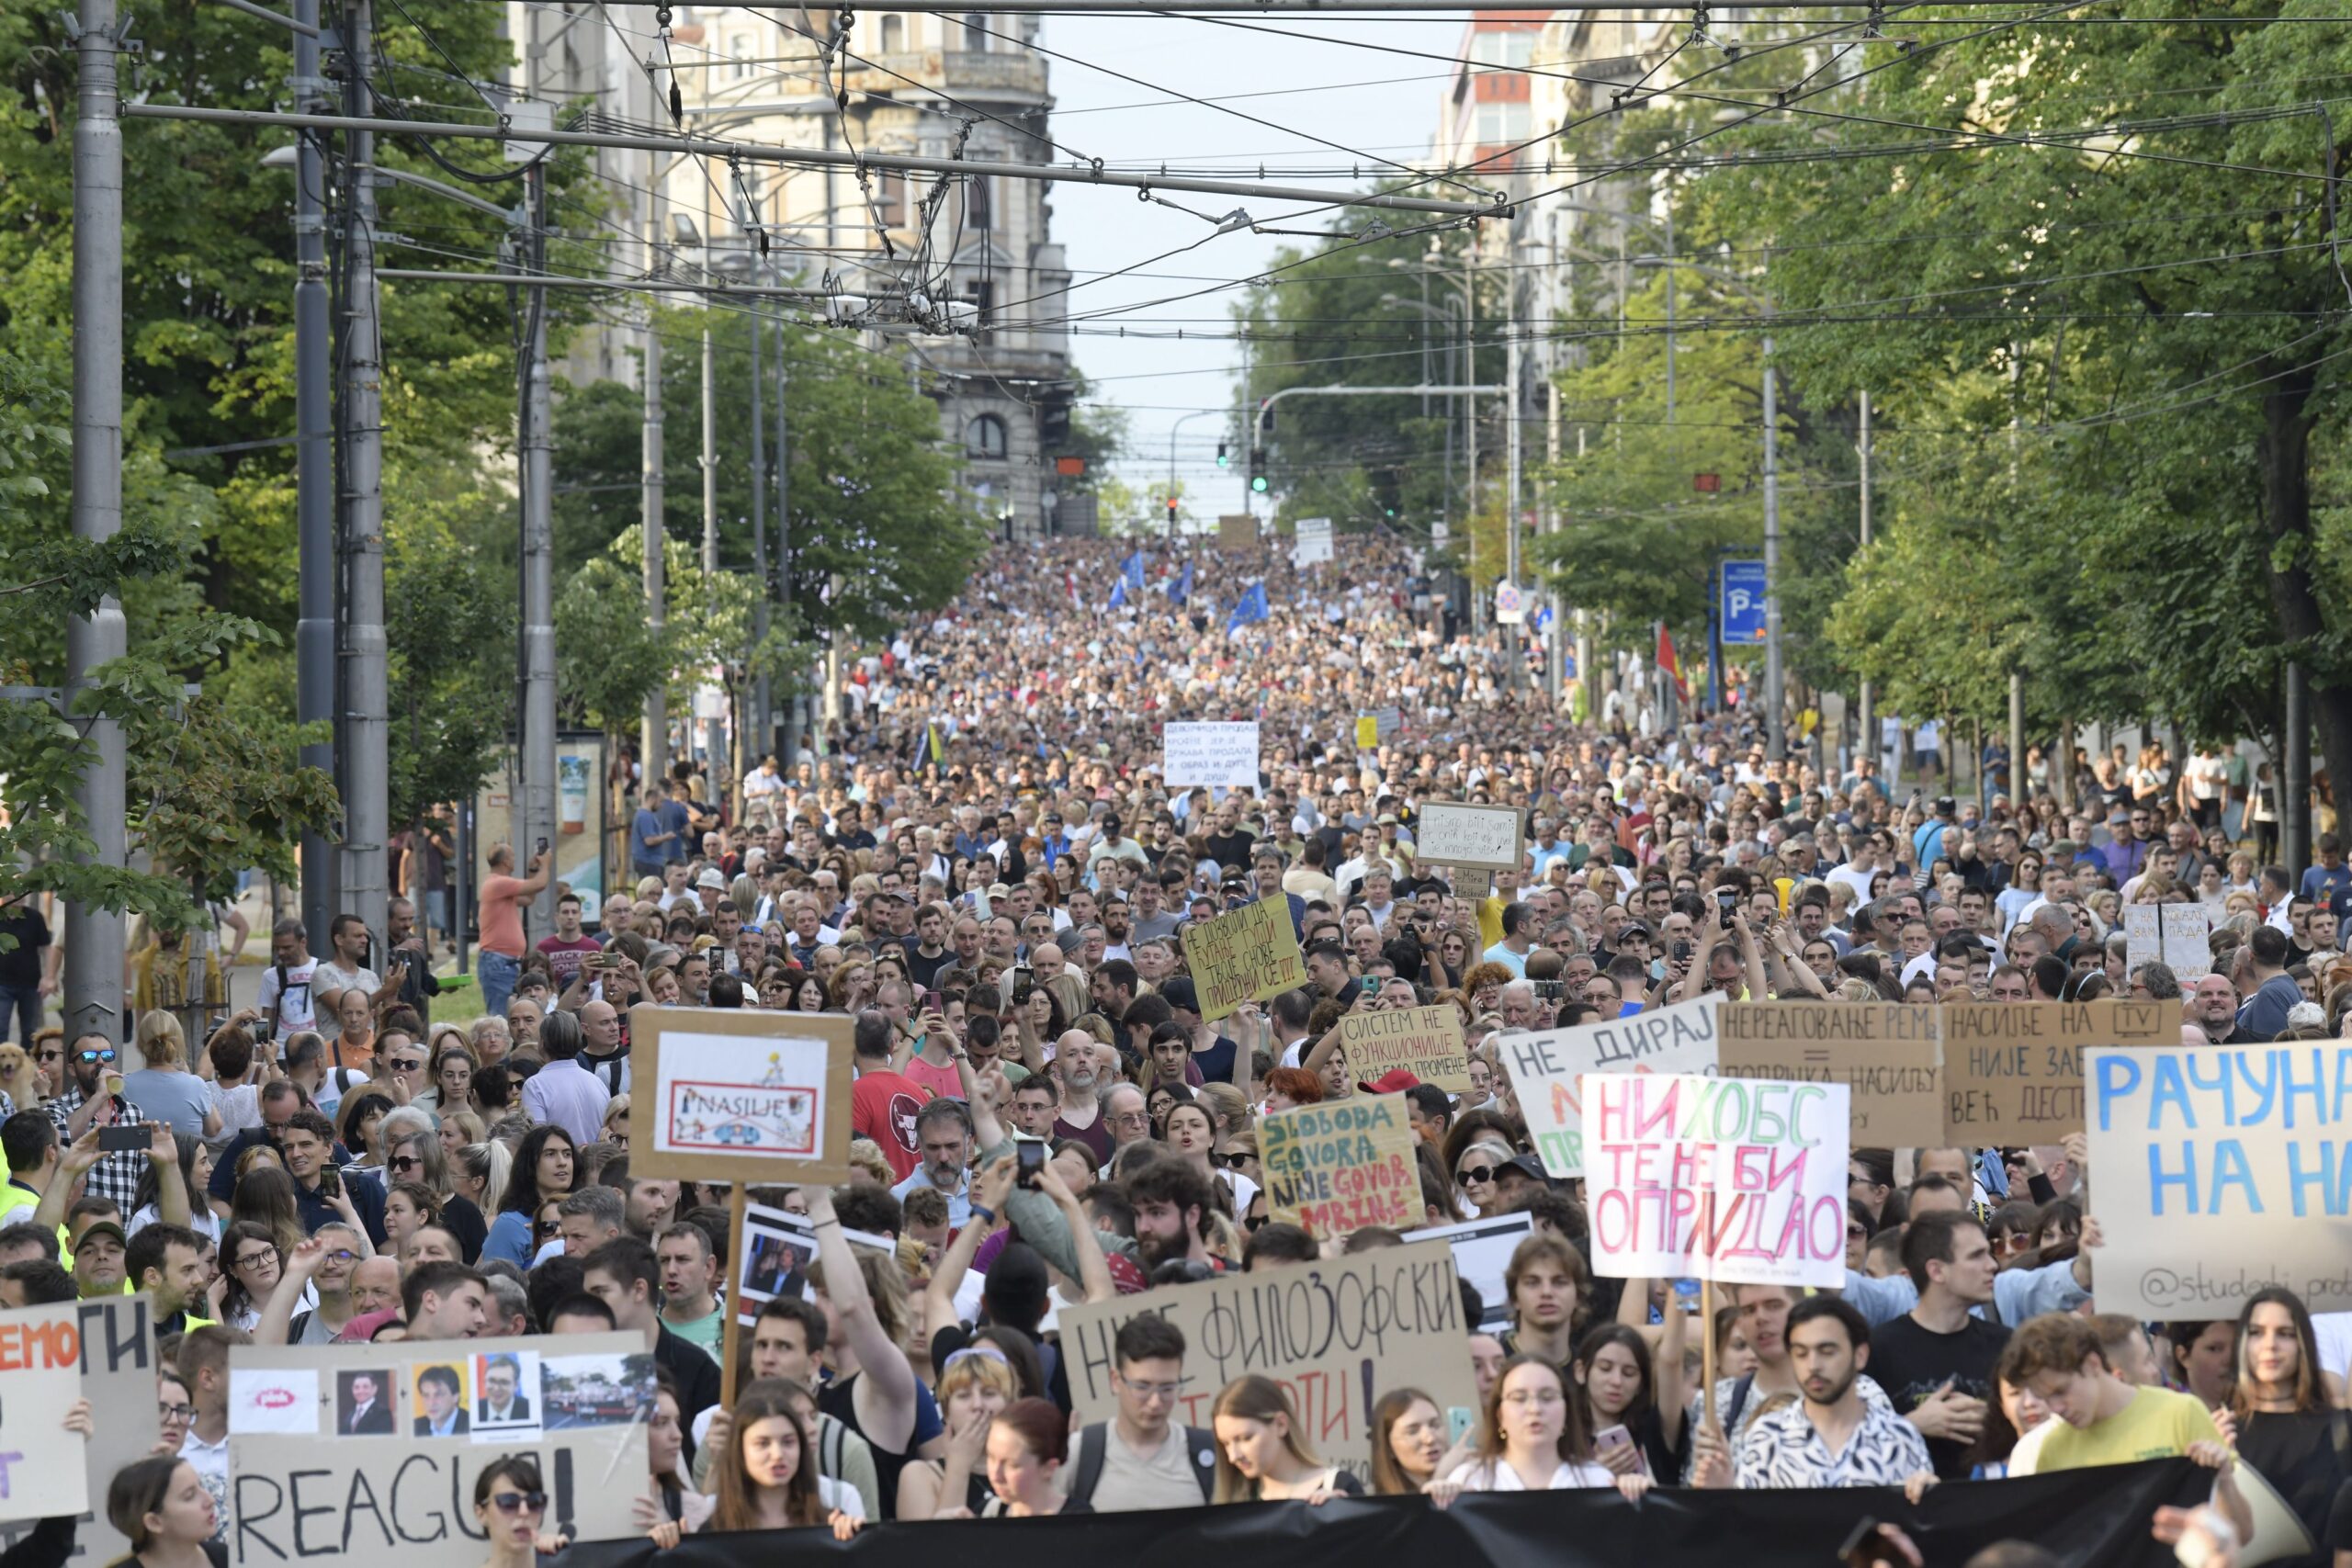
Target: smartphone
[(1024, 980), (930, 1002), (1609, 1438), (1683, 952), (124, 1140), (1726, 905), (1029, 1159), (543, 846)]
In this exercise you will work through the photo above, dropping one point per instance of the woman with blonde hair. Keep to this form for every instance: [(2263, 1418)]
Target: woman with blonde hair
[(165, 1090), (1262, 1453), (976, 1382)]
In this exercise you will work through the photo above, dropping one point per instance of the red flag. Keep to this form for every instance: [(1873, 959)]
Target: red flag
[(1667, 662)]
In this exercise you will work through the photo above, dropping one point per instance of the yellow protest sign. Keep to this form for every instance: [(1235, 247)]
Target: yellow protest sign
[(1338, 1168), (1425, 1041), (1244, 956)]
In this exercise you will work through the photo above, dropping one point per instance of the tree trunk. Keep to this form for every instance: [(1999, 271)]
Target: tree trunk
[(2287, 516)]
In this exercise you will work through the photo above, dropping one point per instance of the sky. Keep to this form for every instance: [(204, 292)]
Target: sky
[(1380, 105)]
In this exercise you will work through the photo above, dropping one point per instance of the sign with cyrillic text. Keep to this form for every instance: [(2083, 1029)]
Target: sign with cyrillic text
[(43, 1469), (1885, 1053), (1545, 1068), (1425, 1041), (1244, 955), (1336, 1333), (1716, 1178), (1340, 1166), (2221, 1171), (1221, 756), (116, 1373), (1483, 838), (2013, 1071)]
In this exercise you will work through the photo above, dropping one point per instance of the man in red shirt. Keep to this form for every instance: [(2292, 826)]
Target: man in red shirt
[(503, 897), (570, 946), (883, 1105)]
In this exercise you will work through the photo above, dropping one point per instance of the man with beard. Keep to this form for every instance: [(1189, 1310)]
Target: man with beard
[(944, 1133), (1081, 1114), (1832, 1435), (1117, 926), (84, 1104), (1173, 1202)]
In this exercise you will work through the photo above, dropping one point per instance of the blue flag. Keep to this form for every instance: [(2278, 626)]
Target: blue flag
[(1247, 610), (1183, 588), (1133, 567), (1118, 594)]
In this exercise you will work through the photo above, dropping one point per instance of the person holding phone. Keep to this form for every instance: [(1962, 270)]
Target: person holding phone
[(503, 897)]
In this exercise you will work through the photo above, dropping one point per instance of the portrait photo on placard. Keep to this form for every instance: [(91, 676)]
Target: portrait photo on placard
[(595, 1391), (363, 1403), (506, 1392), (439, 1393), (775, 1262)]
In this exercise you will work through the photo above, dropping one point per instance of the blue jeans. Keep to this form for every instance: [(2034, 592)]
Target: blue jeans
[(20, 1002), (497, 974)]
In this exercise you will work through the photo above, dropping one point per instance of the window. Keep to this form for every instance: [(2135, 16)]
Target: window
[(984, 437), (740, 49), (1504, 122), (894, 35), (976, 32), (978, 218)]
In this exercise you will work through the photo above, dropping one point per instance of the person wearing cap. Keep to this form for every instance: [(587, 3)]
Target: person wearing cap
[(99, 1266)]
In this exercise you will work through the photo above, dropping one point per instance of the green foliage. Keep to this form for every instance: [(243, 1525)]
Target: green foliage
[(449, 624)]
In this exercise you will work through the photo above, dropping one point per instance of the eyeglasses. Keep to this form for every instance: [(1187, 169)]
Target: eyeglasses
[(1475, 1174), (106, 1055), (1157, 1390), (342, 1255), (254, 1260), (176, 1412), (519, 1502)]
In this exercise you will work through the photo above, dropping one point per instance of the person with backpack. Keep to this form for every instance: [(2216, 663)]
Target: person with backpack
[(1141, 1458)]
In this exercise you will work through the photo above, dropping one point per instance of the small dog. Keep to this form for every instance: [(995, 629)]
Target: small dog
[(18, 1078)]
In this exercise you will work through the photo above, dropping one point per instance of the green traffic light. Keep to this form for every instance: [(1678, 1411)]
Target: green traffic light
[(1257, 484)]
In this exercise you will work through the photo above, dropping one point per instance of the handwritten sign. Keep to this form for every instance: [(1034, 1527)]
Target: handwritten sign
[(1545, 1068), (724, 1093), (2013, 1072), (44, 1469), (357, 1490), (1339, 1167), (1720, 1178), (1425, 1041), (2179, 936), (2222, 1169), (1486, 838), (1237, 531), (1886, 1054), (1246, 955), (1221, 756), (1336, 1333), (117, 1377)]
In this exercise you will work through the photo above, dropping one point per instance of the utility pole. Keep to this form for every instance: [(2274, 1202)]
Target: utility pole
[(1510, 498), (2294, 775), (360, 418), (1776, 736), (94, 937), (535, 824), (761, 729), (795, 708), (1867, 714), (654, 743), (714, 757), (314, 681)]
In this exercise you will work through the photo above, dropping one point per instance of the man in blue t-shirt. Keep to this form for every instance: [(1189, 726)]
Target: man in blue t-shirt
[(2329, 882), (678, 820), (650, 838)]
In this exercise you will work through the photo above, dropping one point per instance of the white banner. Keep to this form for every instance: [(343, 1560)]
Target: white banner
[(1545, 1068), (1221, 756), (1313, 541)]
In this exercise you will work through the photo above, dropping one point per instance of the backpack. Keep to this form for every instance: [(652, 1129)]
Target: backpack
[(1086, 1466)]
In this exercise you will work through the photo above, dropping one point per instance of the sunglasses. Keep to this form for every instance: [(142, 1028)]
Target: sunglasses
[(97, 1056), (548, 1227), (1233, 1161), (519, 1502), (1476, 1173), (404, 1162)]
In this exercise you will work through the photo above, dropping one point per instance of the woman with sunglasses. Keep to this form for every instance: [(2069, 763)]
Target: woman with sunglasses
[(1476, 1172), (542, 1169), (511, 1507), (1191, 1137), (2024, 889)]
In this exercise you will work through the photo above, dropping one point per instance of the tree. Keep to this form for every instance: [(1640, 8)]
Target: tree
[(449, 624)]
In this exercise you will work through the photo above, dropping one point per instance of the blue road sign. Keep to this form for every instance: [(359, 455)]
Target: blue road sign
[(1741, 609)]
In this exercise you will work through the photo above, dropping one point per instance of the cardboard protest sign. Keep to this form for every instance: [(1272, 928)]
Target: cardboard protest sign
[(1334, 1169), (334, 1449), (726, 1094), (2188, 940), (1336, 1333), (1482, 1250), (1237, 531), (1545, 1068), (2013, 1072), (2221, 1169), (1222, 756), (773, 1254), (49, 1356), (1313, 541), (1425, 1041), (1886, 1054), (1245, 956), (2143, 934), (1716, 1178), (1485, 837)]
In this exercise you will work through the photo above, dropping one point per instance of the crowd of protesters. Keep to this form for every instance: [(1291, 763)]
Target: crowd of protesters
[(992, 882)]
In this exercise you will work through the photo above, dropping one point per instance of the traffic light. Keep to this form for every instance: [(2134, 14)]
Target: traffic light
[(1222, 460), (1172, 515), (1257, 470)]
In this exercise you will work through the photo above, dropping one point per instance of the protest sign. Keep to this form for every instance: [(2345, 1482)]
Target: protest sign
[(2188, 938), (1482, 1250), (1885, 1053), (1313, 541), (1425, 1041), (1245, 956), (2013, 1071), (1716, 1178), (1221, 756), (2221, 1169), (330, 1456), (2143, 934), (1485, 837), (50, 1356), (1367, 732), (1237, 531), (1545, 1068), (773, 1254), (724, 1094), (1334, 1169), (1336, 1333)]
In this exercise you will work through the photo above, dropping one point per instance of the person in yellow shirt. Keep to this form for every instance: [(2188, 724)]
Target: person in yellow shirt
[(2100, 1419)]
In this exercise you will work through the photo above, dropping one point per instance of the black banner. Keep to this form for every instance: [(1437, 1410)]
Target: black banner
[(2089, 1518)]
